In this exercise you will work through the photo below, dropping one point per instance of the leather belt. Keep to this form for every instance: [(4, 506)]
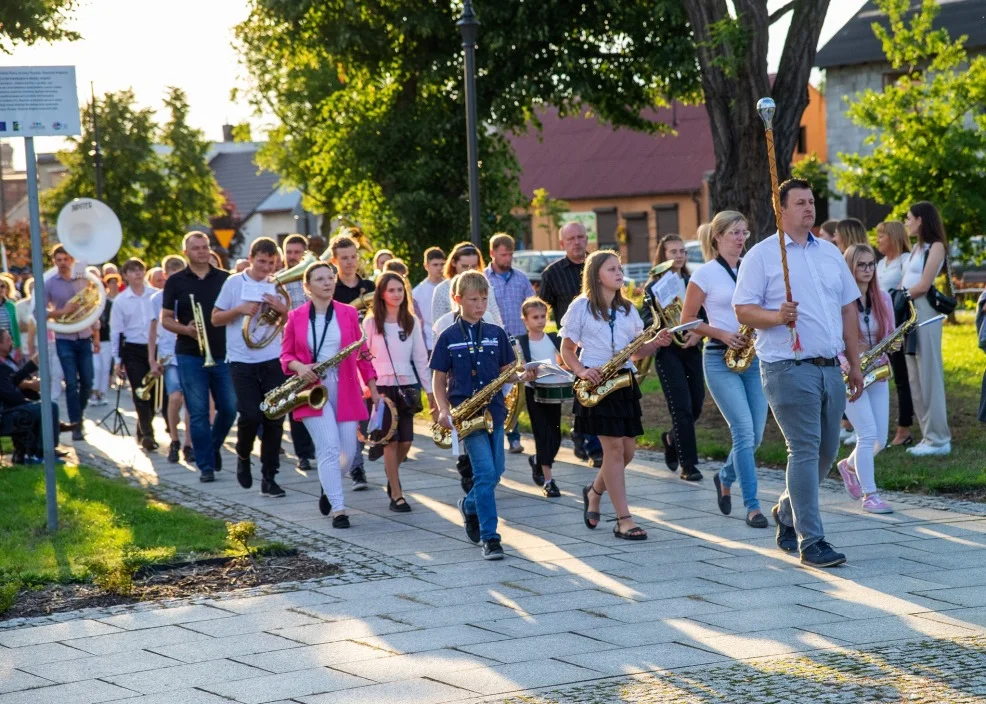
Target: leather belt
[(822, 361)]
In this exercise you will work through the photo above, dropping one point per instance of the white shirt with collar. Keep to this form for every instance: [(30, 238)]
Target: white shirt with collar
[(821, 284), (600, 341), (131, 315), (165, 338)]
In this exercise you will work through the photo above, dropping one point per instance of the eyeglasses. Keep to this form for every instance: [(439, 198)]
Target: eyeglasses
[(745, 234), (866, 266)]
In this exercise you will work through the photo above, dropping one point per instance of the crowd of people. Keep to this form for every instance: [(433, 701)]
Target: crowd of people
[(222, 343)]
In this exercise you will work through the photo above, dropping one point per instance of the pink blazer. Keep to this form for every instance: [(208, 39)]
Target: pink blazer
[(294, 347)]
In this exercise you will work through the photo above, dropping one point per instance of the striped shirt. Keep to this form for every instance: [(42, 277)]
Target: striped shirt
[(511, 288), (561, 282), (296, 292)]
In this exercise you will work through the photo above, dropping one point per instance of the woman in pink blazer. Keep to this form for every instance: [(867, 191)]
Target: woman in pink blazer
[(315, 332)]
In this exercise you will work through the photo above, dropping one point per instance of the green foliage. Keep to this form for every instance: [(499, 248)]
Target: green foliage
[(118, 575), (242, 534), (543, 205), (731, 37), (816, 173), (928, 128), (31, 21), (8, 593), (156, 196)]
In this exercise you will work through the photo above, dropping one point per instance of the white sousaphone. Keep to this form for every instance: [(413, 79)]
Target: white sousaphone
[(90, 231)]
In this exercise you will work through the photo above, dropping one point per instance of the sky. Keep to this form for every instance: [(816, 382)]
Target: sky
[(149, 45)]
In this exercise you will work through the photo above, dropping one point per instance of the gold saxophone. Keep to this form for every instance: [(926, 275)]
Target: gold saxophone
[(472, 415), (873, 371), (740, 360), (296, 392), (613, 378)]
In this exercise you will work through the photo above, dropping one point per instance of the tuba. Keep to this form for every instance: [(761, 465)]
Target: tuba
[(91, 232), (260, 330), (669, 315)]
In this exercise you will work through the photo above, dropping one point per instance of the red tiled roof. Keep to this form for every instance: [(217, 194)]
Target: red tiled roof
[(580, 158)]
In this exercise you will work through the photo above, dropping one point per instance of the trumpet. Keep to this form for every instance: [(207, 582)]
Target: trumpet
[(203, 338), (150, 381)]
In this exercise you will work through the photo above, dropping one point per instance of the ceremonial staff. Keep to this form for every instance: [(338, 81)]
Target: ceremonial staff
[(766, 107)]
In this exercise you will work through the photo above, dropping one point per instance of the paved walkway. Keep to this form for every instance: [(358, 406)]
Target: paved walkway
[(706, 610)]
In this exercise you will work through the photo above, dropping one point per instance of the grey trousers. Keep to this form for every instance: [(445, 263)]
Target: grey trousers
[(808, 402), (926, 373)]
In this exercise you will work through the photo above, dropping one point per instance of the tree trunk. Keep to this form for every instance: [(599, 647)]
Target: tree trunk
[(734, 78)]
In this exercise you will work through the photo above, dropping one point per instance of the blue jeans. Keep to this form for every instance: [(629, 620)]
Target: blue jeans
[(741, 401), (513, 435), (196, 383), (808, 403), (485, 452), (75, 357)]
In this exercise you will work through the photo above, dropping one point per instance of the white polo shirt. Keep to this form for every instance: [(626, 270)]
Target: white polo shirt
[(821, 284), (230, 296)]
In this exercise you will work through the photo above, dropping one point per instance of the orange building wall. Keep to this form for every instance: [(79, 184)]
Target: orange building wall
[(813, 120)]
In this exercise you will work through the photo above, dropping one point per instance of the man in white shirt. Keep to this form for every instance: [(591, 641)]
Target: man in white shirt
[(129, 324), (255, 371), (425, 291), (161, 347), (805, 389)]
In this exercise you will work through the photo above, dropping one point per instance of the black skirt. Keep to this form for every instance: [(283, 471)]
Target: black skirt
[(617, 415)]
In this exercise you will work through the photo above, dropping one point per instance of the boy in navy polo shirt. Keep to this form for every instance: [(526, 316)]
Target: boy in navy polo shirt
[(468, 355)]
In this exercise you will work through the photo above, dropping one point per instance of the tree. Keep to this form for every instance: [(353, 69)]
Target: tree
[(155, 195), (16, 237), (31, 21), (928, 128)]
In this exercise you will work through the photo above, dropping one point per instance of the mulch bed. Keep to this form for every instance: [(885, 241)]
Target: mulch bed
[(164, 582)]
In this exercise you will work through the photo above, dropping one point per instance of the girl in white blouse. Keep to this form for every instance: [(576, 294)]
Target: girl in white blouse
[(396, 341), (599, 323)]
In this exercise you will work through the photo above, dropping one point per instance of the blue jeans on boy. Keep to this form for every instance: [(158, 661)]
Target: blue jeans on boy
[(742, 402), (75, 357), (485, 452), (196, 383)]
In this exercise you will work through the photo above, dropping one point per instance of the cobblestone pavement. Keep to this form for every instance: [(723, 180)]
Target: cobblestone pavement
[(706, 610)]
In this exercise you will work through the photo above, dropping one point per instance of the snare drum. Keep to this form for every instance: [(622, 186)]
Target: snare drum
[(553, 389)]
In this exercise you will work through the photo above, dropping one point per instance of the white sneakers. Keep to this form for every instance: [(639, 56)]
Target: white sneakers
[(923, 449)]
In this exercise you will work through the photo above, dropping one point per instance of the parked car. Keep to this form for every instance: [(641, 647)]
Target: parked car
[(533, 261), (693, 248), (970, 270)]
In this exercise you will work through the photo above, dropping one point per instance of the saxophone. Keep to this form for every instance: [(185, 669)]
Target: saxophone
[(589, 394), (295, 392), (740, 360), (873, 371), (472, 415)]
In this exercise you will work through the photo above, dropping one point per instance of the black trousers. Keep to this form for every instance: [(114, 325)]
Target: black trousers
[(905, 406), (546, 424), (22, 424), (137, 363), (252, 381), (683, 383)]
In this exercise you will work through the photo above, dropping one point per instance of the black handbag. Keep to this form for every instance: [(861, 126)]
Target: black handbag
[(408, 395), (938, 300), (900, 298)]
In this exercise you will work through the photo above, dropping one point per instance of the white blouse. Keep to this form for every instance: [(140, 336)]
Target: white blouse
[(599, 342), (890, 273), (718, 286), (915, 267)]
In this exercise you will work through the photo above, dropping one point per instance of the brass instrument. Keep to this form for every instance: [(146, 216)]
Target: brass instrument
[(386, 437), (203, 338), (88, 300), (472, 414), (740, 360), (873, 371), (268, 322), (364, 302), (151, 382), (514, 402), (590, 394), (669, 315), (297, 392)]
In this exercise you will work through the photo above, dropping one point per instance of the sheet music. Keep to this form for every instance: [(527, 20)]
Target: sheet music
[(254, 290)]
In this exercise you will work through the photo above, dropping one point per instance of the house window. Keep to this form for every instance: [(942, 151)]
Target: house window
[(667, 220), (802, 141), (638, 237)]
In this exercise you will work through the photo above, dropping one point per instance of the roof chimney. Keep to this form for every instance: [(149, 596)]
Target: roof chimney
[(227, 133)]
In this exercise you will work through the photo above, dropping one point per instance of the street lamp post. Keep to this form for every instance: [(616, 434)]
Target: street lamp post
[(468, 25)]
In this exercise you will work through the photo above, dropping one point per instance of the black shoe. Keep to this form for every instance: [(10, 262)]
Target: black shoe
[(219, 461), (469, 522), (269, 488), (359, 478), (340, 522), (67, 427), (148, 445), (173, 452), (596, 461), (492, 550), (757, 520), (400, 505), (725, 502), (581, 454), (189, 454), (77, 435), (670, 453), (282, 452), (374, 453), (207, 477), (324, 506), (690, 474), (60, 454), (787, 538), (821, 554), (243, 474), (305, 464), (536, 474), (551, 489)]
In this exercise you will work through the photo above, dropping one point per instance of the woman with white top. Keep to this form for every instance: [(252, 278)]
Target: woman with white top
[(396, 342), (464, 257), (925, 368), (870, 413), (892, 243), (739, 396)]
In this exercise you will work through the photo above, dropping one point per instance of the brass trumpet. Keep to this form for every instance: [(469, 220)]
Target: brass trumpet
[(203, 338), (150, 381)]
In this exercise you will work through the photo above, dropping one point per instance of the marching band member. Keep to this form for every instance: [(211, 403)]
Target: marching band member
[(398, 267), (102, 363), (680, 369), (464, 257), (804, 387), (202, 280), (254, 372), (602, 322), (396, 342), (424, 292), (739, 396), (295, 248), (870, 413), (380, 258), (161, 344), (314, 333), (129, 323)]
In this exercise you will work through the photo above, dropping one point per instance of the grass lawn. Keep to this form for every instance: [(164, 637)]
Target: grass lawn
[(99, 519)]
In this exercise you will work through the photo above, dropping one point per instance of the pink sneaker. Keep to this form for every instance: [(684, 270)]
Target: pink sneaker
[(874, 504), (850, 479)]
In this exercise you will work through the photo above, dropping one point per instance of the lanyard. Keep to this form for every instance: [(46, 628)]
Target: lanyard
[(866, 317), (318, 343), (729, 269), (612, 330), (474, 349)]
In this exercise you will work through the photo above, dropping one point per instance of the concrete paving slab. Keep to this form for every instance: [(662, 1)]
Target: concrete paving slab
[(195, 675), (127, 641), (12, 680), (289, 685), (419, 691), (646, 658), (313, 656), (100, 666), (517, 676), (20, 637), (167, 617), (41, 654), (228, 647), (90, 692)]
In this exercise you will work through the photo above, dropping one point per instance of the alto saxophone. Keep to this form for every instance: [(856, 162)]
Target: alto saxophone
[(296, 392), (472, 414), (740, 360), (873, 371), (590, 394)]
